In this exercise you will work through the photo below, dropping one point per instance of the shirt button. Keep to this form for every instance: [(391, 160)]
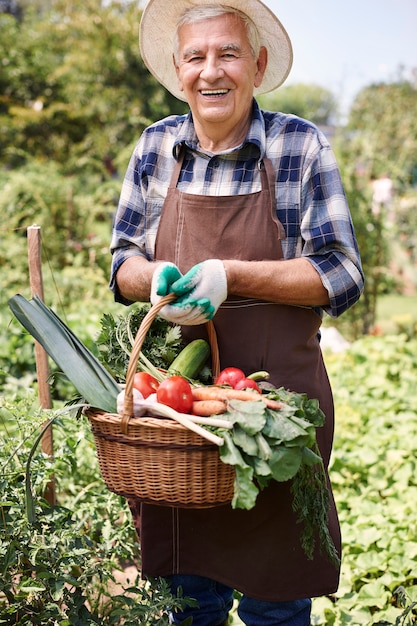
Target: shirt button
[(215, 163)]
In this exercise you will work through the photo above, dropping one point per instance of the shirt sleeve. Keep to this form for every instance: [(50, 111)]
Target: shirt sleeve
[(328, 233), (142, 196), (128, 235)]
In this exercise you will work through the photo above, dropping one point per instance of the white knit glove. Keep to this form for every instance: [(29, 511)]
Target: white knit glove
[(181, 311), (203, 286)]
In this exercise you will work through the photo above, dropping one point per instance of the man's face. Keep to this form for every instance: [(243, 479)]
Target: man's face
[(217, 72)]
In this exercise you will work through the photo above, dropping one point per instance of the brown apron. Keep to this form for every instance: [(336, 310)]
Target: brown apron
[(257, 552)]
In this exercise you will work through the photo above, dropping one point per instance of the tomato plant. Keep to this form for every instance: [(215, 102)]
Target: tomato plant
[(175, 392), (145, 383), (230, 376)]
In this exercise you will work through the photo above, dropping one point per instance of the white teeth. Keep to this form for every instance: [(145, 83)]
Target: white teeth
[(217, 92)]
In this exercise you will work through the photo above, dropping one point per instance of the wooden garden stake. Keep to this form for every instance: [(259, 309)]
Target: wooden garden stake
[(42, 366)]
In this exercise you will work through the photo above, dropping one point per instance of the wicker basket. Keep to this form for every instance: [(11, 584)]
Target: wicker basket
[(157, 460)]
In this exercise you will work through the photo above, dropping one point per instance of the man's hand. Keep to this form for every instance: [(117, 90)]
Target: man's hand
[(164, 276), (200, 291), (205, 283)]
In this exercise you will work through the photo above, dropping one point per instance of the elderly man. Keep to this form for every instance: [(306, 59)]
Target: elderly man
[(241, 213)]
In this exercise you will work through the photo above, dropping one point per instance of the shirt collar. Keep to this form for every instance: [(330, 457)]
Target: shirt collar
[(256, 134)]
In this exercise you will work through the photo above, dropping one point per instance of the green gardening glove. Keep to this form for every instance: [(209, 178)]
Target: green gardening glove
[(165, 274), (204, 286), (180, 311)]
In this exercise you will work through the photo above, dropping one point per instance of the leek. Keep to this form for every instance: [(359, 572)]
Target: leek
[(83, 369)]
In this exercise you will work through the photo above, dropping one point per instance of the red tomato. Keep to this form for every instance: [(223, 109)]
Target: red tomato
[(247, 383), (176, 392), (145, 383), (230, 376)]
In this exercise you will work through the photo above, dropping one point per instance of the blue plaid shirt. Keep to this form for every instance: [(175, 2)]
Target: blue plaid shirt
[(311, 202)]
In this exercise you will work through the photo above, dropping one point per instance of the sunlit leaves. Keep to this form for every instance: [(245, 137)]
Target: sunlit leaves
[(374, 475)]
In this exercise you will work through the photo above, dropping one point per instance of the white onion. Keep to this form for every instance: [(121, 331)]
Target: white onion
[(137, 402)]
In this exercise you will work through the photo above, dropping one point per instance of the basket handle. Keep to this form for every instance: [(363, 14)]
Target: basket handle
[(137, 346)]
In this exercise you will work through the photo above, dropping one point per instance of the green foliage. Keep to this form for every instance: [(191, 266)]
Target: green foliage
[(64, 566), (397, 314), (373, 246), (118, 333), (89, 535), (73, 75), (41, 195), (311, 102), (383, 118), (75, 231), (17, 366), (266, 445), (374, 472)]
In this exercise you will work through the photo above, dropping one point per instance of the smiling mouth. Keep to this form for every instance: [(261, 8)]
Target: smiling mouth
[(214, 92)]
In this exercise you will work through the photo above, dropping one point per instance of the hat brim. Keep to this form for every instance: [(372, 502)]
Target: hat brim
[(159, 23)]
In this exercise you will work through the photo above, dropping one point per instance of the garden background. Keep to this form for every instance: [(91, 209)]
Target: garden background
[(74, 97)]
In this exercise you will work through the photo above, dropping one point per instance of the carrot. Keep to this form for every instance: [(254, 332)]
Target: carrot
[(222, 394), (242, 394), (205, 408), (208, 393), (273, 404)]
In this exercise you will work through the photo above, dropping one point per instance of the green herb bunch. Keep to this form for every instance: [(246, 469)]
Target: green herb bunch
[(161, 345)]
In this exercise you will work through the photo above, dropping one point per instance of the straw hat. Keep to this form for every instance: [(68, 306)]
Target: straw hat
[(159, 23)]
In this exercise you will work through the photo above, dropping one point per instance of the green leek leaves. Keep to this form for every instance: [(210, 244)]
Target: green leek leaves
[(87, 374)]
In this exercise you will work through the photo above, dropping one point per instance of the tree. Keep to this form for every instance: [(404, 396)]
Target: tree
[(383, 123), (311, 102), (381, 138), (73, 75)]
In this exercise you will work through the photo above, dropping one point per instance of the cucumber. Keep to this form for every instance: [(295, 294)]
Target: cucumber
[(191, 359)]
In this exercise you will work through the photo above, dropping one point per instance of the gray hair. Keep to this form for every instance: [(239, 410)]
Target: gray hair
[(200, 13)]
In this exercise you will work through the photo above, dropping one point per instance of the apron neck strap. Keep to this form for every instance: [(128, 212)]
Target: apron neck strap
[(177, 168), (265, 167)]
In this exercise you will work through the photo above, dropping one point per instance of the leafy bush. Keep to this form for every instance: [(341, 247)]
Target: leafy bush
[(89, 536), (374, 474), (75, 224), (59, 562)]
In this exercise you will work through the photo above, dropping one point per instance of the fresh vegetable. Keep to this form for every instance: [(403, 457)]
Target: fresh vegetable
[(267, 444), (175, 391), (214, 392), (145, 383), (264, 436), (260, 375), (208, 407), (210, 421), (191, 359), (137, 399), (189, 421), (150, 406), (160, 347), (247, 383), (89, 377), (230, 376)]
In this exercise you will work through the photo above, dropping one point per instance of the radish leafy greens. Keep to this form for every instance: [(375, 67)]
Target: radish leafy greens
[(266, 444)]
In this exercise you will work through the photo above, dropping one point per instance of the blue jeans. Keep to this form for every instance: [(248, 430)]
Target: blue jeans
[(216, 600)]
